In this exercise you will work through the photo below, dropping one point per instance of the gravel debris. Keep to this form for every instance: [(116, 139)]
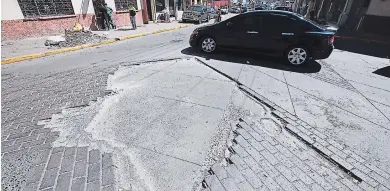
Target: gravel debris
[(80, 38)]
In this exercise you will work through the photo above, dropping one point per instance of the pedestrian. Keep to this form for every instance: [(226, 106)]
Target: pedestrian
[(103, 16), (110, 21), (132, 17)]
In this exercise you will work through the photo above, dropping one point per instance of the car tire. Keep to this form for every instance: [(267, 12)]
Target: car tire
[(208, 44), (297, 55), (183, 21)]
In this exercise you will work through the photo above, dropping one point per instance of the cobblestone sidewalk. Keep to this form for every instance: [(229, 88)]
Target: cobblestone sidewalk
[(264, 156)]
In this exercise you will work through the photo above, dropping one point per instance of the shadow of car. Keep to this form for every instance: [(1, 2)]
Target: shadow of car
[(385, 72), (254, 60)]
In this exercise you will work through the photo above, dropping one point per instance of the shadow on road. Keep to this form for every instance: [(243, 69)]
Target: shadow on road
[(381, 50), (385, 72), (254, 60)]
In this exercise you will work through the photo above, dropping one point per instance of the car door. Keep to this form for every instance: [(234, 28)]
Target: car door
[(280, 31), (241, 32)]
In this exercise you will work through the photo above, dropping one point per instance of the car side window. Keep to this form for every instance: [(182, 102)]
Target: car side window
[(277, 24), (244, 23)]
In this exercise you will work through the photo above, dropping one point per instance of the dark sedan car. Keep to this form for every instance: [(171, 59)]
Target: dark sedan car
[(272, 32)]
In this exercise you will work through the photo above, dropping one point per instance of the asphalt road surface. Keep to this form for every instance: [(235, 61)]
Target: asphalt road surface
[(152, 114)]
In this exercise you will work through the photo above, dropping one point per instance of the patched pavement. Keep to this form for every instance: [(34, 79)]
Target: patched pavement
[(328, 120)]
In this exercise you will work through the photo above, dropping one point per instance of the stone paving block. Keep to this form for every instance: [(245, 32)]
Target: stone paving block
[(239, 162), (241, 141), (35, 174), (353, 186), (63, 182), (354, 155), (319, 140), (245, 186), (32, 144), (337, 152), (269, 147), (82, 153), (336, 183), (32, 186), (335, 144), (94, 156), (270, 183), (380, 179), (42, 157), (284, 183), (317, 187), (10, 148), (80, 168), (358, 165), (244, 133), (213, 183), (58, 149), (93, 186), (301, 175), (78, 184), (67, 164), (269, 168), (365, 177), (234, 173), (93, 172), (342, 162), (366, 186), (240, 151), (323, 149), (69, 151), (269, 157), (109, 188), (286, 172), (18, 135), (256, 144), (26, 139), (320, 180), (284, 160), (229, 184), (252, 164), (383, 188), (251, 177), (54, 161), (284, 151), (301, 186), (108, 176), (254, 153), (220, 172), (377, 170), (49, 178), (107, 160)]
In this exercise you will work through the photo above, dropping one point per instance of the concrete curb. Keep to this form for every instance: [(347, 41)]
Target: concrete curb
[(63, 50)]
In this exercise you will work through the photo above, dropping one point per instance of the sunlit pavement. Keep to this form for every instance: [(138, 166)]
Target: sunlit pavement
[(167, 118)]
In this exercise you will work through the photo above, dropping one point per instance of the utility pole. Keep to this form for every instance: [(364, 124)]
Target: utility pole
[(175, 4)]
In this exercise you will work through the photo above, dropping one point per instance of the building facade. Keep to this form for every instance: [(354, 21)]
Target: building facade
[(371, 17), (29, 18)]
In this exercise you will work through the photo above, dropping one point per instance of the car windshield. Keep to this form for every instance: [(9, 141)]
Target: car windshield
[(196, 8)]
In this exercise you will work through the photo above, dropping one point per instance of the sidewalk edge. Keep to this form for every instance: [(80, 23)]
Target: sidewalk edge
[(63, 50)]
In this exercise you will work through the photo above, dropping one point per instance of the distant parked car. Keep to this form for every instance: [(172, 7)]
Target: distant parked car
[(224, 9), (212, 13), (279, 33), (283, 9), (196, 14)]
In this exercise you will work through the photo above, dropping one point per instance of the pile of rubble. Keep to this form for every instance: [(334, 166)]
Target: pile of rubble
[(74, 38)]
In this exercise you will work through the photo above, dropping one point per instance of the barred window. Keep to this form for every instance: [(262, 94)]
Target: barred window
[(45, 8), (123, 5)]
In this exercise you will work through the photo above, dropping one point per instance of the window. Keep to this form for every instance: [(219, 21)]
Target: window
[(277, 24), (45, 8), (248, 22), (124, 5), (196, 8)]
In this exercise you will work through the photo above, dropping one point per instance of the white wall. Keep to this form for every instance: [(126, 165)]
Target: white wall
[(83, 7), (379, 8), (10, 10)]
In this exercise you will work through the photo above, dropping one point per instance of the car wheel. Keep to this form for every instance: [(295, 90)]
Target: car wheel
[(208, 44), (297, 55)]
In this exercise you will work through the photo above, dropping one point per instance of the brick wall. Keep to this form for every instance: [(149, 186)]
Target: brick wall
[(16, 29)]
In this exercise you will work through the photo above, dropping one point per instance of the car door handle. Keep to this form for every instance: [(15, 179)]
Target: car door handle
[(252, 32), (287, 34)]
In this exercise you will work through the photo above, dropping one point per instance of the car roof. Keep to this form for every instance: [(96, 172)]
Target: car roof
[(281, 12)]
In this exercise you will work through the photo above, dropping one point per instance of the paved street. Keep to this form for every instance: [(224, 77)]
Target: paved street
[(152, 114)]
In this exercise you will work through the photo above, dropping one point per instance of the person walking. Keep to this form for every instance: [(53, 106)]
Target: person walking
[(132, 17), (103, 17), (110, 21)]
